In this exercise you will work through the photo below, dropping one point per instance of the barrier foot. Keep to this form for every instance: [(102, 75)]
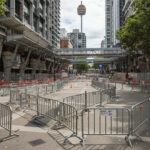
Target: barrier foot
[(8, 137), (66, 139), (128, 140), (83, 142), (139, 137), (57, 126)]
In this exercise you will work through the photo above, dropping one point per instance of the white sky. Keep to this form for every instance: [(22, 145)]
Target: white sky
[(93, 21)]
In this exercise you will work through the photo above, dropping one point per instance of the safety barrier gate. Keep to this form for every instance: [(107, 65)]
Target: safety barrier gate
[(6, 120)]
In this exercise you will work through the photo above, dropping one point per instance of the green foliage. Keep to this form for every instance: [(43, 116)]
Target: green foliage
[(135, 34), (2, 8), (81, 67), (95, 66), (80, 58)]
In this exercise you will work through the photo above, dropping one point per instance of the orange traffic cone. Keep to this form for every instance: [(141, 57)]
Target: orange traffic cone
[(71, 86)]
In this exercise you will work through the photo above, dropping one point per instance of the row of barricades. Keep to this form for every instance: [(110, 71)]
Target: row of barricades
[(44, 87), (144, 86), (37, 89), (88, 99), (94, 121)]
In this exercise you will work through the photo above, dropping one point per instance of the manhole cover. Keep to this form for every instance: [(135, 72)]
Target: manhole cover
[(37, 142)]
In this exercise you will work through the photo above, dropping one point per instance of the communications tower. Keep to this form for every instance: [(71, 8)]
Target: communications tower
[(81, 11)]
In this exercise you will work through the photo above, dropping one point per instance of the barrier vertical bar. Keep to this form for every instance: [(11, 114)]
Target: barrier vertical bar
[(37, 100), (85, 100)]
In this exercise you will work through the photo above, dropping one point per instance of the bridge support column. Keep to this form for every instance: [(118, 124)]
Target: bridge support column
[(23, 66), (50, 67), (35, 67), (1, 46), (8, 61)]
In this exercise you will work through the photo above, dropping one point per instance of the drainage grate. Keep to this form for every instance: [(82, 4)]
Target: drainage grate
[(37, 142)]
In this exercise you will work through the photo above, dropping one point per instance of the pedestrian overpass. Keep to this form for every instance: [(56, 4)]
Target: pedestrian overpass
[(90, 52), (95, 61), (108, 55)]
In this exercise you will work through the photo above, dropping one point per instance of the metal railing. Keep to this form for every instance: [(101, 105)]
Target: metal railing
[(6, 120)]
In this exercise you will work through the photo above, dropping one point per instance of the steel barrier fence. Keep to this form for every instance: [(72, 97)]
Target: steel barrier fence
[(65, 114), (6, 120), (105, 121), (88, 99), (35, 90), (140, 114)]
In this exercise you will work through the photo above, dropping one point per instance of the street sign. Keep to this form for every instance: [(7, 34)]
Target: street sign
[(100, 66), (109, 112)]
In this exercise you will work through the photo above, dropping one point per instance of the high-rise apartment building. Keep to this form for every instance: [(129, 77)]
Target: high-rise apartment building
[(128, 8), (78, 39), (114, 19), (29, 26), (63, 33), (108, 22), (55, 22)]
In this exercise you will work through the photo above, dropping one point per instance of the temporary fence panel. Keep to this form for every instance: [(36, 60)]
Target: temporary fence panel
[(63, 113), (78, 101), (140, 114), (105, 121), (93, 98), (6, 119)]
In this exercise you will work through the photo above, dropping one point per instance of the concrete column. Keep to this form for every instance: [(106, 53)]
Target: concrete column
[(1, 46), (36, 66), (8, 60), (49, 67), (31, 15), (12, 8), (23, 66)]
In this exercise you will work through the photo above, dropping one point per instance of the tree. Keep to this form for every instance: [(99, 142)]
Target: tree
[(2, 8), (81, 67), (135, 34)]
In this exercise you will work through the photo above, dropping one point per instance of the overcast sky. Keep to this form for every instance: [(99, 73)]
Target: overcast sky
[(93, 21)]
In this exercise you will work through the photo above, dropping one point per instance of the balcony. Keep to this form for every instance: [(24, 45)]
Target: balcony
[(127, 4)]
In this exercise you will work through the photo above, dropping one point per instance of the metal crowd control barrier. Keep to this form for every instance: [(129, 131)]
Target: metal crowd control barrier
[(4, 91), (6, 120), (65, 114), (105, 121), (78, 101), (140, 114), (89, 99)]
